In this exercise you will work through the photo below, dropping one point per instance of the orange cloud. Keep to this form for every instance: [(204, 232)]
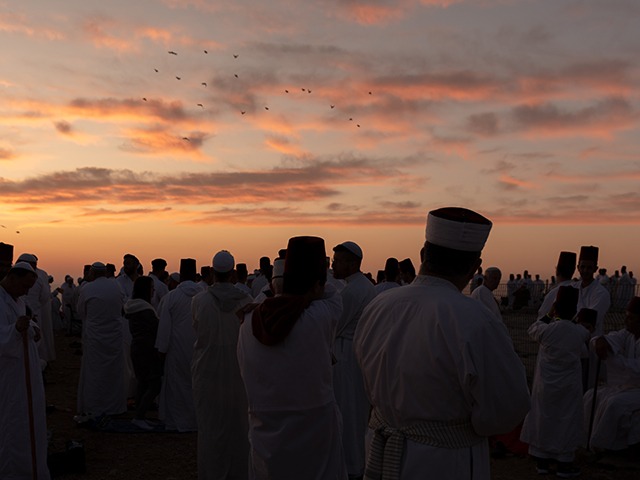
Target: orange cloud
[(160, 140), (6, 154), (18, 23), (508, 182)]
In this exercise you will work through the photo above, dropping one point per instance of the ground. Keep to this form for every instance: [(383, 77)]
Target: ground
[(145, 456)]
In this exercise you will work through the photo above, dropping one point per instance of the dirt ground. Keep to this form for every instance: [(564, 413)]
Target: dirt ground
[(172, 456)]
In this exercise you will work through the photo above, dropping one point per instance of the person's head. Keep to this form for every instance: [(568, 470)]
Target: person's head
[(616, 273), (391, 269), (30, 258), (111, 270), (566, 304), (173, 281), (537, 277), (157, 266), (566, 265), (277, 280), (6, 259), (370, 277), (68, 280), (380, 276), (50, 279), (242, 273), (518, 277), (455, 238), (631, 274), (347, 259), (19, 280), (553, 279), (265, 263), (623, 270), (407, 270), (479, 272), (143, 288), (282, 253), (588, 262), (97, 270), (604, 271), (305, 268), (206, 275), (511, 277), (223, 263), (492, 277), (632, 320), (588, 318), (130, 264)]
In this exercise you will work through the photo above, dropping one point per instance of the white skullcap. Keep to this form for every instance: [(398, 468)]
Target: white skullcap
[(175, 276), (251, 277), (353, 247), (256, 272), (492, 269), (223, 262), (278, 267), (27, 257), (23, 266), (458, 229), (99, 267)]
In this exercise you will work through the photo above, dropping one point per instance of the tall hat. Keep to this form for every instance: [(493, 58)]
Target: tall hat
[(159, 263), (567, 259), (306, 258), (589, 254), (223, 262), (567, 297), (241, 268), (406, 265), (205, 271), (634, 306), (588, 315), (188, 267), (458, 229), (265, 262), (6, 252)]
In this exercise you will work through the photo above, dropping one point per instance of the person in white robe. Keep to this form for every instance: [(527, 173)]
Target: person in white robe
[(593, 296), (553, 428), (407, 271), (564, 272), (338, 283), (126, 279), (284, 352), (263, 279), (157, 271), (477, 280), (512, 286), (439, 368), (537, 289), (348, 384), (625, 290), (175, 342), (68, 308), (15, 441), (101, 388), (617, 417), (218, 391), (56, 309), (274, 287), (484, 293), (241, 278), (6, 259), (391, 269)]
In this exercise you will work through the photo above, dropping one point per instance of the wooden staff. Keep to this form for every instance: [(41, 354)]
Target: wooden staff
[(34, 461), (593, 405)]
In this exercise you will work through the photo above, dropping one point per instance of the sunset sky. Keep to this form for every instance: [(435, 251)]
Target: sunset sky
[(525, 111)]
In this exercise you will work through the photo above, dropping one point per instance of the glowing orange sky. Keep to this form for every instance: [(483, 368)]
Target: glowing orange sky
[(359, 117)]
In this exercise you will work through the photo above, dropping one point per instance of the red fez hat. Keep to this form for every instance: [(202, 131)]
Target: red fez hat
[(567, 259), (6, 252), (567, 296), (306, 258), (588, 315), (188, 267), (205, 271), (634, 306), (589, 254)]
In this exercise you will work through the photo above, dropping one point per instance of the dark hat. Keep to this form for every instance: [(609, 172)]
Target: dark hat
[(282, 253), (306, 258), (159, 263), (241, 268), (6, 252), (265, 262), (567, 259), (111, 267), (588, 315), (188, 267), (87, 268), (131, 256), (634, 306), (589, 254), (406, 265), (205, 271), (567, 296)]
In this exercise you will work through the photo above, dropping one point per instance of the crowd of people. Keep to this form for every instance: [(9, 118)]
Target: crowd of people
[(307, 368)]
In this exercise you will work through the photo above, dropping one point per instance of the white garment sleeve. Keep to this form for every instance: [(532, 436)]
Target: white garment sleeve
[(536, 331), (164, 326), (631, 367)]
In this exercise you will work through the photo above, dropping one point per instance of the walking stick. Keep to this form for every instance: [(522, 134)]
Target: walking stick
[(27, 372), (593, 405)]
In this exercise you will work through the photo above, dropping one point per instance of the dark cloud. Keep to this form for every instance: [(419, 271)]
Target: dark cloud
[(401, 205)]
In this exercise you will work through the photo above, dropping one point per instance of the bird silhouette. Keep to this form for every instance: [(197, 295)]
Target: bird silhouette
[(303, 90), (369, 93), (358, 126), (185, 138), (308, 91), (242, 112), (144, 99), (286, 91), (3, 226), (156, 70), (17, 231), (172, 53), (266, 108), (332, 106), (235, 75), (351, 119), (200, 105), (178, 78), (235, 56), (204, 83), (206, 51)]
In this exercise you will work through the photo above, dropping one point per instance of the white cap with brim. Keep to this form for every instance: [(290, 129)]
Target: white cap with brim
[(23, 266), (223, 262), (278, 267), (458, 229), (98, 267), (175, 276), (353, 247), (27, 257)]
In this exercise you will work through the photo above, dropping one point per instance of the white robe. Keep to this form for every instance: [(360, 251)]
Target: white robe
[(485, 296), (219, 395), (244, 288), (38, 300), (258, 284), (15, 445), (295, 425), (512, 286), (68, 307), (625, 292), (130, 381), (429, 353), (101, 388), (384, 286), (550, 298), (176, 338), (348, 384), (617, 419), (553, 427), (161, 289)]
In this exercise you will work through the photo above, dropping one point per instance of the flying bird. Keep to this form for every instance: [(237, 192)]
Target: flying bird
[(369, 93), (332, 106), (242, 112), (200, 105), (303, 90), (156, 70), (351, 119), (17, 231), (185, 138), (235, 75), (3, 226), (358, 126), (204, 83), (172, 53), (144, 99), (206, 51), (178, 78), (266, 108), (286, 91), (235, 56), (308, 91)]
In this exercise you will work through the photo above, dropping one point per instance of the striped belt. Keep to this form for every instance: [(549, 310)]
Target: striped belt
[(385, 454)]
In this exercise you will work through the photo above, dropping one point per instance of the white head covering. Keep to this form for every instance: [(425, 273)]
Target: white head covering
[(353, 247), (223, 262), (492, 269), (27, 257), (175, 276), (458, 229), (23, 266), (99, 267), (278, 267)]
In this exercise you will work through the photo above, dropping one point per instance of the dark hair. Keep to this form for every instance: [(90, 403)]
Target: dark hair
[(566, 270), (299, 285), (142, 288), (447, 261), (351, 257), (222, 276)]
